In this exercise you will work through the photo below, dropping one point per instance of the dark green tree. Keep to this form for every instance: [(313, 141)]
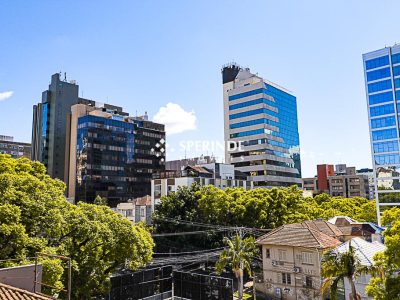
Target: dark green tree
[(36, 217)]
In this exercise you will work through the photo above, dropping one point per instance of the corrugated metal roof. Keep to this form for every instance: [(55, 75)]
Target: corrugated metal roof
[(365, 251)]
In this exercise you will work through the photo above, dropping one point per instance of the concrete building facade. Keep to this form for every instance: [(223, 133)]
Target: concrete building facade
[(291, 256), (260, 128), (13, 148), (342, 182)]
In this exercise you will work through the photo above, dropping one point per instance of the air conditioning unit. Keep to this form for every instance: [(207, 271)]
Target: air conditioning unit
[(297, 269), (274, 263), (286, 290)]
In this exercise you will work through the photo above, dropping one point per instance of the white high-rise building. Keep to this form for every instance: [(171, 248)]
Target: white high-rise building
[(382, 85), (260, 125)]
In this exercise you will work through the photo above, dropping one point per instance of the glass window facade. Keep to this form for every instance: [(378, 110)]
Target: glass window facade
[(396, 58), (114, 159), (381, 110), (379, 86), (390, 146), (383, 122), (380, 98), (377, 62), (251, 102), (45, 133), (387, 159), (384, 134), (378, 74), (275, 139), (381, 69)]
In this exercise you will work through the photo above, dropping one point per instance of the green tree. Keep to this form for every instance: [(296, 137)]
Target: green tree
[(385, 284), (100, 200), (36, 217), (238, 255), (337, 267)]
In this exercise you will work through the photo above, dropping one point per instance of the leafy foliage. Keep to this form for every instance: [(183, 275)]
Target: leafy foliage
[(36, 217), (260, 208), (238, 254), (385, 284), (339, 266)]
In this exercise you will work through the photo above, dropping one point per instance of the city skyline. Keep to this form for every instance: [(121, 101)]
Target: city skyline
[(172, 64)]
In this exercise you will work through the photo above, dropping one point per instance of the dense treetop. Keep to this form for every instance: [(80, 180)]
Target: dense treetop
[(36, 217)]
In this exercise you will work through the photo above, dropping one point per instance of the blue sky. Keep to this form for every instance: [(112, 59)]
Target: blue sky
[(143, 55)]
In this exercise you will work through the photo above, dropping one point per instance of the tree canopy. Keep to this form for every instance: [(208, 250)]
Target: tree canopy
[(256, 208), (36, 217), (385, 285)]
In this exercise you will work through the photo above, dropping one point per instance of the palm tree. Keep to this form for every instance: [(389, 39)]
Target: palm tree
[(338, 266), (238, 254)]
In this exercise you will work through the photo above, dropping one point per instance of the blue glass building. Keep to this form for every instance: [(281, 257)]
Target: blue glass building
[(116, 156), (382, 85), (260, 128)]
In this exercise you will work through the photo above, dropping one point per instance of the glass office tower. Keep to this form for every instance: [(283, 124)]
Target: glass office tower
[(382, 85), (116, 156), (260, 126)]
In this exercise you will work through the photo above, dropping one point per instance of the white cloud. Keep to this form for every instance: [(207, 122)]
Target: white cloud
[(175, 118), (5, 95)]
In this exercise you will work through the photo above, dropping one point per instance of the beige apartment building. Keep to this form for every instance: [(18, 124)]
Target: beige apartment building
[(344, 182), (291, 257)]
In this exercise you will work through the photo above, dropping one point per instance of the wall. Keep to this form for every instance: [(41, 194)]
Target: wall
[(21, 277)]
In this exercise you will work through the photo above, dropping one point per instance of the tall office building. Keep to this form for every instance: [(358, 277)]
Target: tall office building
[(95, 148), (49, 128), (260, 127), (382, 84), (112, 154)]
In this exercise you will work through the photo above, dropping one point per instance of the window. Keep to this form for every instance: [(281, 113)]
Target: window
[(396, 58), (378, 74), (286, 278), (390, 146), (267, 253), (380, 98), (396, 71), (377, 62), (307, 258), (384, 134), (383, 122), (143, 211), (381, 110), (282, 255), (308, 282), (387, 159), (379, 86)]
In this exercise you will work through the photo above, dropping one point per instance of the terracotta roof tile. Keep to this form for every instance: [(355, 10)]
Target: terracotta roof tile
[(298, 236), (320, 225), (8, 292)]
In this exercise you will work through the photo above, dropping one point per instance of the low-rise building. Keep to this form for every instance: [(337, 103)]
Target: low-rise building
[(371, 181), (350, 229), (178, 164), (136, 210), (15, 149), (365, 252), (291, 257), (219, 175), (343, 182)]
